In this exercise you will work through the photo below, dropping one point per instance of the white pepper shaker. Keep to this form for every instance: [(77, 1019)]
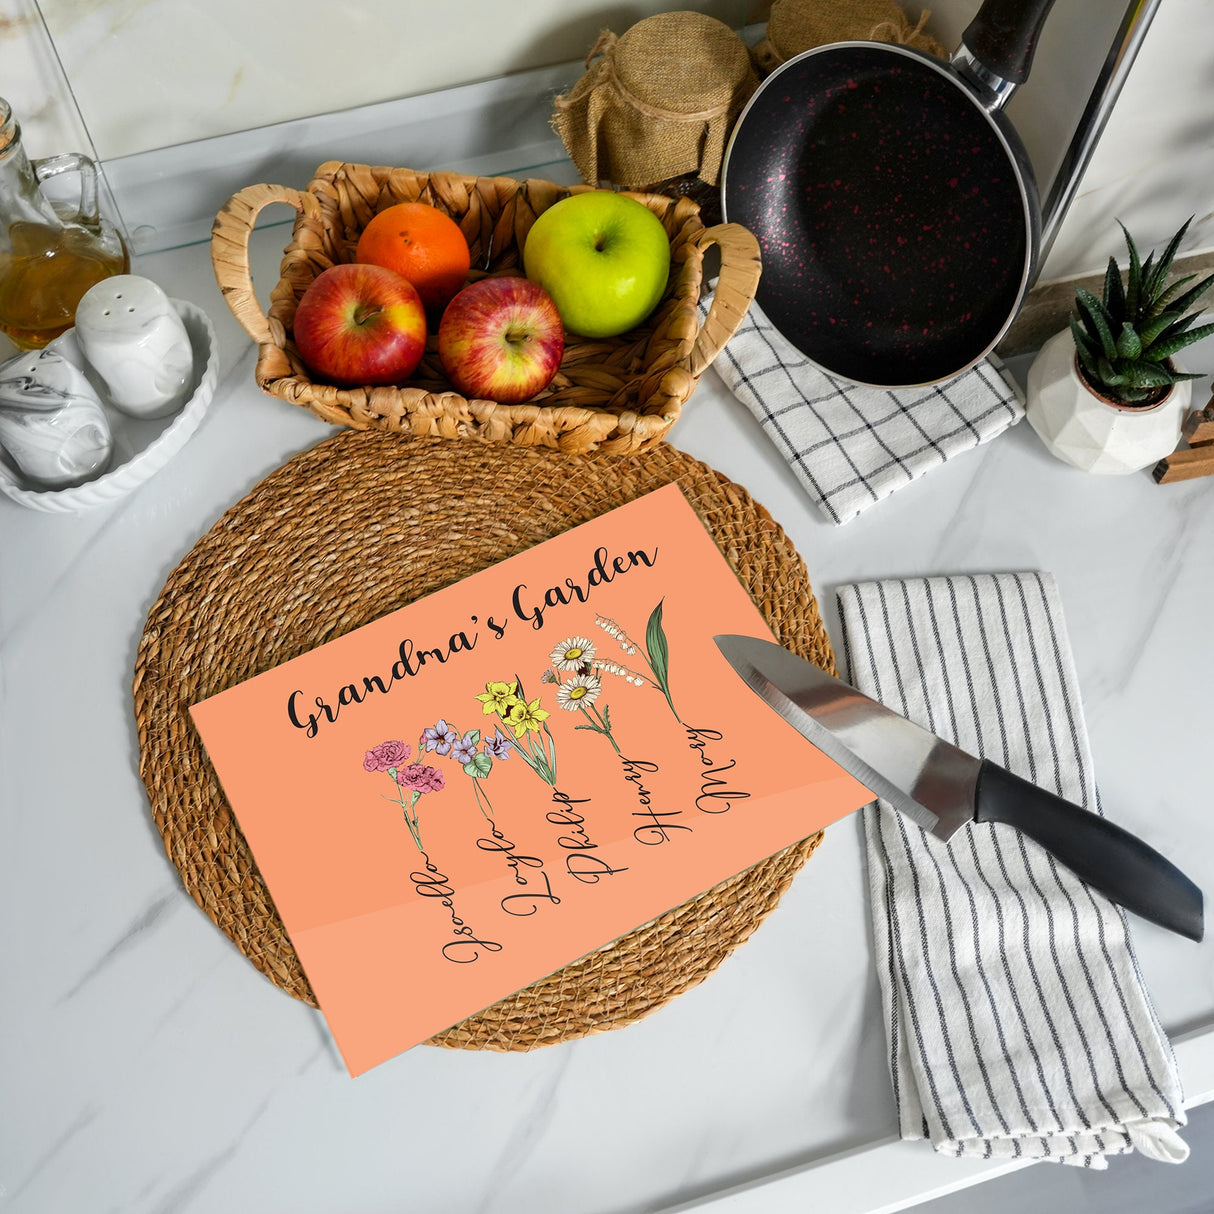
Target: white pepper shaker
[(52, 422), (133, 338)]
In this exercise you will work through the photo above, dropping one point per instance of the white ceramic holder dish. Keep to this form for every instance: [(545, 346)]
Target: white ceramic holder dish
[(141, 446)]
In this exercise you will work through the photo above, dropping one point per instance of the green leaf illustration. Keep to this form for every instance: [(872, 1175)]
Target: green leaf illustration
[(658, 653), (474, 735), (479, 766)]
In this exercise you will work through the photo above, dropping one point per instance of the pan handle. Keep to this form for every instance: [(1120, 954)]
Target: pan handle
[(737, 282), (1003, 36)]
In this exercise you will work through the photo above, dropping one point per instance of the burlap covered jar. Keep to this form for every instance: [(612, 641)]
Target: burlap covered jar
[(798, 25), (657, 103)]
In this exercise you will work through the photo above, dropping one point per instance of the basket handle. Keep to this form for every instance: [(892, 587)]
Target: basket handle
[(230, 249), (741, 266)]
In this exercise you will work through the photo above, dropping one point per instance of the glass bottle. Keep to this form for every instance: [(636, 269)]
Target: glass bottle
[(50, 253)]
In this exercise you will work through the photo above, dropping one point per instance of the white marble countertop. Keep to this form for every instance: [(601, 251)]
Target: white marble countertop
[(146, 1067)]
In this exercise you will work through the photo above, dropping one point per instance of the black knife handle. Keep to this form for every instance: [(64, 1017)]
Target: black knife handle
[(1108, 858)]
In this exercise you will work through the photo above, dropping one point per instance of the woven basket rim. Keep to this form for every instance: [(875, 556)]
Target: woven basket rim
[(334, 171), (616, 395)]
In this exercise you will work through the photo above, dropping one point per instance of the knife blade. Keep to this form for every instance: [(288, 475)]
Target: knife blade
[(943, 788)]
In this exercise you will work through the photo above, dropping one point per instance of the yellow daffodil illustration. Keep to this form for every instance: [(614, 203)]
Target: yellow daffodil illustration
[(522, 716), (499, 698), (534, 743)]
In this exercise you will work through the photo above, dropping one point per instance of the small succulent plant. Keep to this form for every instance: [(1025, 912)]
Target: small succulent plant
[(1125, 341)]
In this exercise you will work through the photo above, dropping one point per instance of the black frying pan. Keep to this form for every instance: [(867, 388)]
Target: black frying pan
[(895, 207)]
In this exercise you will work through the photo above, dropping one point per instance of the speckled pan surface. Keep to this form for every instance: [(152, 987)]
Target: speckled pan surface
[(895, 224)]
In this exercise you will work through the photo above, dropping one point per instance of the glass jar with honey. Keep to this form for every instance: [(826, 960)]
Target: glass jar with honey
[(50, 253)]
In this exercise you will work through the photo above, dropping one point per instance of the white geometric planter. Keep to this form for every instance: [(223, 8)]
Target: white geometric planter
[(1089, 432)]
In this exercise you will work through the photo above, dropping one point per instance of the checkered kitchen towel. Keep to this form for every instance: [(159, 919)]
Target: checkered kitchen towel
[(1017, 1021), (851, 446)]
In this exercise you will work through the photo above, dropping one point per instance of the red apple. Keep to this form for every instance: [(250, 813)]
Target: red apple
[(359, 324), (501, 339)]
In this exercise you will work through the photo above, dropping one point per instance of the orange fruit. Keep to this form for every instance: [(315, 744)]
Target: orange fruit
[(421, 243)]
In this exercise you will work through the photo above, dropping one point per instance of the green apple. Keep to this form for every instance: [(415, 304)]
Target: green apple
[(604, 258)]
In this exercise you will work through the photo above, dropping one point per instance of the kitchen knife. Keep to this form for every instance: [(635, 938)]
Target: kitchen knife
[(941, 787)]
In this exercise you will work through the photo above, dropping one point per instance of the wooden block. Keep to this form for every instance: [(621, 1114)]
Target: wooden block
[(1185, 465), (1198, 427)]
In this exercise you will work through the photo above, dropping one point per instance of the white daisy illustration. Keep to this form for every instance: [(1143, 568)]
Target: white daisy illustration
[(572, 654), (578, 692)]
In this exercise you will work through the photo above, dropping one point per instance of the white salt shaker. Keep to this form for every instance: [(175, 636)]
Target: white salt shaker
[(136, 342), (52, 422)]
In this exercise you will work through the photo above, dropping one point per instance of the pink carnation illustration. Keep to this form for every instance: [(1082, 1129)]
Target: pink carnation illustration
[(418, 777), (410, 780), (386, 755)]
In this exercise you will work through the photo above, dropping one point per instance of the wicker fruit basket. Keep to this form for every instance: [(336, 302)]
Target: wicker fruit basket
[(613, 396)]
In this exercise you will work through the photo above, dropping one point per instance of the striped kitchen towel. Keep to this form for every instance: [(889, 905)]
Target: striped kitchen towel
[(1018, 1024), (852, 446)]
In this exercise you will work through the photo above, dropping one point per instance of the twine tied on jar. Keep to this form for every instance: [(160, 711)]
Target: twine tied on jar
[(656, 103), (795, 26)]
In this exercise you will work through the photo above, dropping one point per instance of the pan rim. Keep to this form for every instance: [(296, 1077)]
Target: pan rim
[(1025, 186)]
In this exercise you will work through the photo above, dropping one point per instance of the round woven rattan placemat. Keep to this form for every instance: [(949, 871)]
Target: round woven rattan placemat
[(355, 528)]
